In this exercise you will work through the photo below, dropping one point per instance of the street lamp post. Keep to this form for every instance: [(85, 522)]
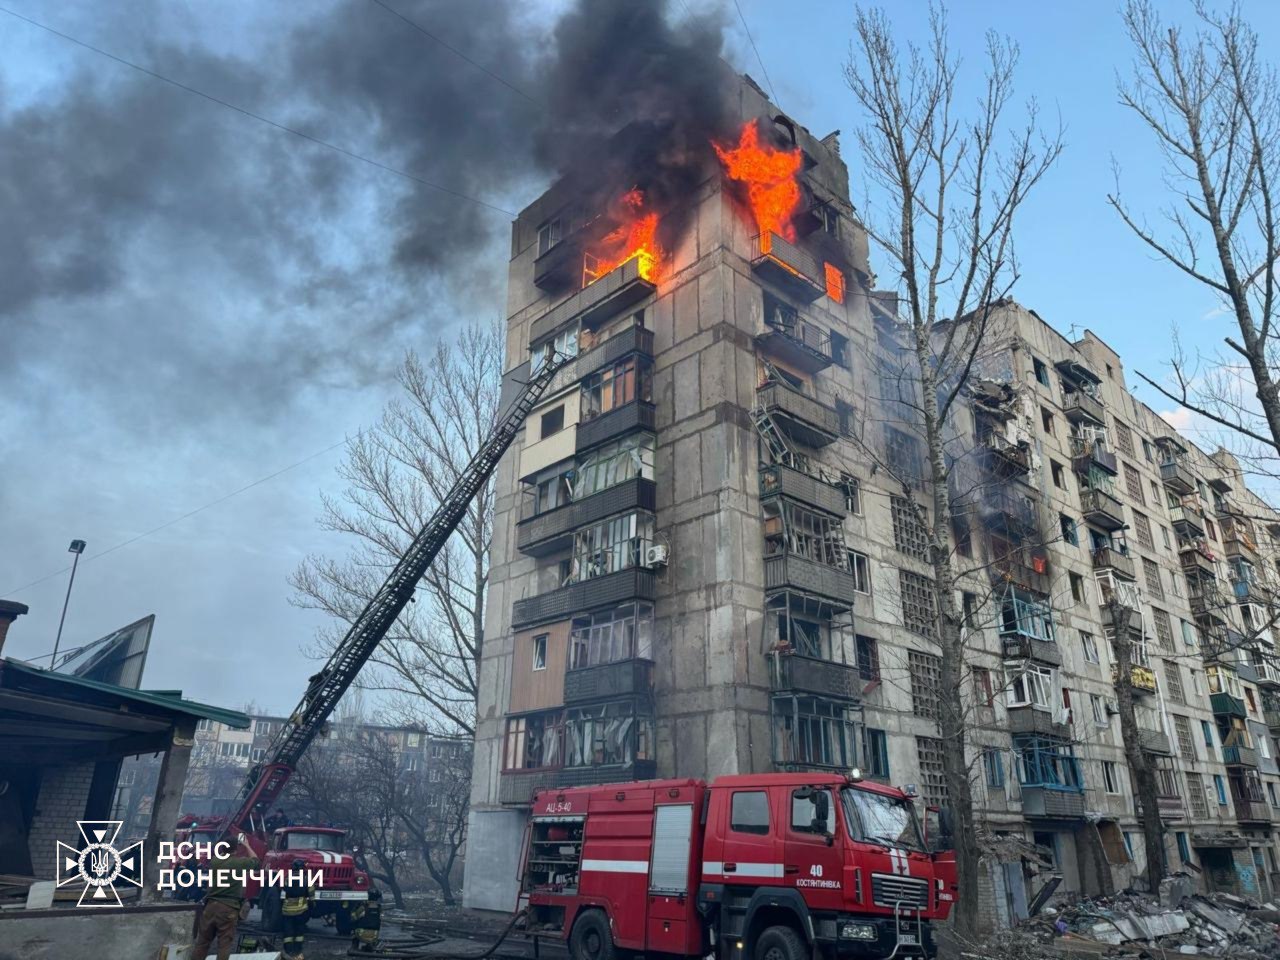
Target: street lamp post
[(77, 547)]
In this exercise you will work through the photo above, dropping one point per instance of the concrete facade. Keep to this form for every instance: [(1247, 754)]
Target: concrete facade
[(790, 625)]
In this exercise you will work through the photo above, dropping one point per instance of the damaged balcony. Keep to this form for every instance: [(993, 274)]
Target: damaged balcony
[(1032, 572), (1117, 560), (560, 265), (802, 418), (624, 678), (1005, 457), (1049, 773), (598, 355), (787, 267), (1141, 679), (636, 415), (1238, 541), (794, 340), (1197, 559), (622, 287), (794, 672), (552, 530), (1101, 509), (1013, 513), (608, 590), (1087, 454), (1177, 477), (1033, 720), (1052, 802), (793, 572), (1187, 519), (1207, 600), (779, 480), (1240, 756), (1227, 705), (1081, 407)]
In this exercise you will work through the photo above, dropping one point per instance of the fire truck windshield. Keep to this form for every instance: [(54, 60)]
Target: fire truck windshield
[(329, 842), (875, 818)]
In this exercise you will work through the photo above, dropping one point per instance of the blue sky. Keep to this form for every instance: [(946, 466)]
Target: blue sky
[(234, 301)]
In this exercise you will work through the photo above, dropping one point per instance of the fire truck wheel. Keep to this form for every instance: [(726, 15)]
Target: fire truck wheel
[(591, 939), (780, 943)]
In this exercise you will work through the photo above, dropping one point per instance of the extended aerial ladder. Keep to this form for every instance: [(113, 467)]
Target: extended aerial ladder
[(268, 779)]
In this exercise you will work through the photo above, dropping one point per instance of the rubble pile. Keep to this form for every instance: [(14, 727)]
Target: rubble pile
[(1178, 923)]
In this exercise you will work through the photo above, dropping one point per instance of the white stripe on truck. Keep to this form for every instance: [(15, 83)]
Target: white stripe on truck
[(716, 868), (616, 866)]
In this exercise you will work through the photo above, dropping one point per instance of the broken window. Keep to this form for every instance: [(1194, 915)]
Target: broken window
[(607, 733), (610, 546), (803, 636), (861, 569), (925, 671), (1043, 762), (791, 529), (1026, 613), (868, 656), (533, 741), (902, 454), (564, 343), (614, 463), (1030, 685), (919, 604), (623, 633), (625, 382), (875, 753), (552, 422), (813, 732)]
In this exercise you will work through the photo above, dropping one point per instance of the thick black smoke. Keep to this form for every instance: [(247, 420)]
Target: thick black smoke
[(221, 267)]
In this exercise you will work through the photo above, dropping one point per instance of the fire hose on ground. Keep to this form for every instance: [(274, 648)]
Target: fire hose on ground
[(412, 947)]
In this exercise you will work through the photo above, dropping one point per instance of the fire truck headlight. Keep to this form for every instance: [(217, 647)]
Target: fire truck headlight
[(361, 879), (858, 931)]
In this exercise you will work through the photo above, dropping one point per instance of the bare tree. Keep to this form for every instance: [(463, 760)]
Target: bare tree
[(396, 473), (951, 187), (1213, 107)]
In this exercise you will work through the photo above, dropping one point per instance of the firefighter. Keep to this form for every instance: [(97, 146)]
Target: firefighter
[(219, 915), (368, 922), (296, 910)]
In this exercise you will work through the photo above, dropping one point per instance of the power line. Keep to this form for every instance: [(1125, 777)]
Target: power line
[(759, 59), (192, 513), (257, 116), (458, 53)]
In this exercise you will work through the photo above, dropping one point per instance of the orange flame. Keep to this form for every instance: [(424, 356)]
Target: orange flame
[(635, 237), (835, 281), (770, 176)]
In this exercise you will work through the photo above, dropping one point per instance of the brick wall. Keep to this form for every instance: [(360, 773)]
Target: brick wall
[(64, 792)]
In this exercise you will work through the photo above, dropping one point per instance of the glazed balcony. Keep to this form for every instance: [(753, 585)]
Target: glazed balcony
[(1237, 543), (780, 480), (1141, 679), (1087, 454), (1238, 756), (793, 572), (609, 681), (787, 267), (607, 591), (792, 672), (1177, 477), (1047, 801), (1081, 407), (1251, 591), (610, 295), (517, 787), (1154, 741), (802, 418), (1037, 721), (608, 352), (798, 343), (1101, 509), (1116, 560), (552, 530), (637, 415), (560, 266), (1005, 457), (1268, 675), (1187, 520)]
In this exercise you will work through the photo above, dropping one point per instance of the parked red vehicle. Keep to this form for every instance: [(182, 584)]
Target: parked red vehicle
[(768, 867), (323, 849)]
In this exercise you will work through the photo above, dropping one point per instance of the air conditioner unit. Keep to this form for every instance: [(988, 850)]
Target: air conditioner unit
[(655, 555), (1112, 708)]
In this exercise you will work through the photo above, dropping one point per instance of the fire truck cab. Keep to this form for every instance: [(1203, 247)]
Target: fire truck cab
[(323, 849), (767, 867)]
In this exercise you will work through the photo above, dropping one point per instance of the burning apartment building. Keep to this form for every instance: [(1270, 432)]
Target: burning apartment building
[(704, 563)]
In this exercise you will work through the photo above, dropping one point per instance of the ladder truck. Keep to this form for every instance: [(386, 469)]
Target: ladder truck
[(321, 848)]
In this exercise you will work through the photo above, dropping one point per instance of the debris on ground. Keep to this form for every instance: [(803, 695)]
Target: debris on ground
[(1177, 922)]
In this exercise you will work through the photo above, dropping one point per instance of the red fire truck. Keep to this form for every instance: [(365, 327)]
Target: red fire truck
[(781, 866)]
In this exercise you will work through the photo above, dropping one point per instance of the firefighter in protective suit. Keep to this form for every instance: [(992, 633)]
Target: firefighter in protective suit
[(368, 922), (296, 910)]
